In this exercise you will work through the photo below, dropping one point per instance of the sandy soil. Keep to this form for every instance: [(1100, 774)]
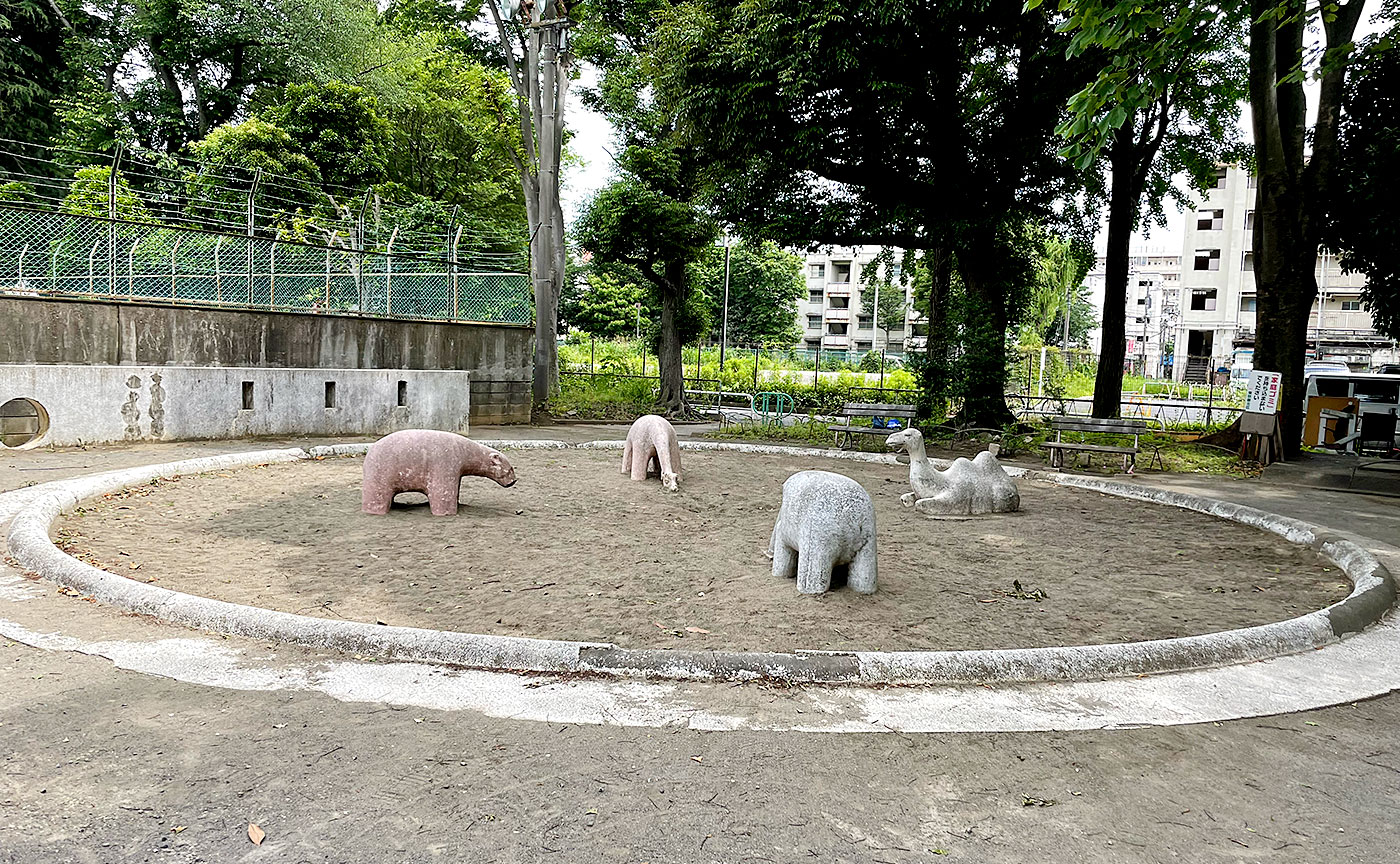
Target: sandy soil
[(576, 551)]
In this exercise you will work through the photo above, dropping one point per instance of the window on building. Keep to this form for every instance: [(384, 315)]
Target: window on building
[(1203, 300), (814, 321), (1253, 181), (863, 346), (1142, 301), (865, 322), (1210, 220), (898, 327), (1248, 304), (840, 271), (1351, 305), (1249, 220), (895, 346), (837, 328), (813, 343), (840, 302), (919, 329), (816, 271), (1207, 259), (816, 295), (1220, 174), (1247, 262), (1144, 283)]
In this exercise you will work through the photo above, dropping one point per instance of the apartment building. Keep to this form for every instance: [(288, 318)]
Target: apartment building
[(831, 316), (1152, 309), (1218, 296)]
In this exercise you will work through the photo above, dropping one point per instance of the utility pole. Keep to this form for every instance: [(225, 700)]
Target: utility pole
[(724, 327)]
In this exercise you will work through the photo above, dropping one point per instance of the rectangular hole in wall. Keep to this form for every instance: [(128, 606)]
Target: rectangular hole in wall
[(330, 394), (403, 394), (247, 395)]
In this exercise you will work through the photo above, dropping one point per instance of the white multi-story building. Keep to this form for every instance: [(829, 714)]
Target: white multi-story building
[(1218, 295), (1152, 310), (831, 316)]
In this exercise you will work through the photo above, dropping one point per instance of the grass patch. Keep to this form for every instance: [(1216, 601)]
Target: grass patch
[(606, 398)]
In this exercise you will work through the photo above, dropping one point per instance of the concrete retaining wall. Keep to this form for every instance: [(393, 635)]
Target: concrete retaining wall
[(49, 331), (99, 404)]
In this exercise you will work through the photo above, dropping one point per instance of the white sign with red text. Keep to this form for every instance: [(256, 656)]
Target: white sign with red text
[(1261, 397)]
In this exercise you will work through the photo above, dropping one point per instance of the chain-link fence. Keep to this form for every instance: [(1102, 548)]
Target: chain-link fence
[(47, 252)]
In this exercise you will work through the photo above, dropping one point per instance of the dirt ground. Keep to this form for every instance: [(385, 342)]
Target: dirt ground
[(577, 551), (108, 766), (102, 766)]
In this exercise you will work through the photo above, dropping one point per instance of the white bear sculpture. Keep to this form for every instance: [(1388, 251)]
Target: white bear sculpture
[(967, 488), (826, 519)]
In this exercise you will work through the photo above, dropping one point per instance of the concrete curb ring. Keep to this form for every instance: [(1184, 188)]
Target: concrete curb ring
[(1373, 594)]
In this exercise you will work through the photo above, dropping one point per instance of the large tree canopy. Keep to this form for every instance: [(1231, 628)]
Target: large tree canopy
[(925, 126)]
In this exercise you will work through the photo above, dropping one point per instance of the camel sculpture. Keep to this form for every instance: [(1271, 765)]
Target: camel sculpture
[(966, 488)]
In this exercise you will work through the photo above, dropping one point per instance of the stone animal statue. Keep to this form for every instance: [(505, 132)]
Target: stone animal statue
[(652, 441), (427, 461), (825, 519), (967, 488)]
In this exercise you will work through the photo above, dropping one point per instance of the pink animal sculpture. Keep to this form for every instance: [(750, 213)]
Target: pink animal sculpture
[(652, 440), (427, 461)]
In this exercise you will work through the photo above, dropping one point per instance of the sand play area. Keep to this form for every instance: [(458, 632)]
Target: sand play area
[(575, 550)]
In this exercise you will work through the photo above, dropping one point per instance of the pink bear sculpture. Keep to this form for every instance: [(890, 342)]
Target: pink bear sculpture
[(427, 461), (652, 440)]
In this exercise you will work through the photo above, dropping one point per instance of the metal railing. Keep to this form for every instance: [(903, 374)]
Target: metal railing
[(67, 254), (1167, 413)]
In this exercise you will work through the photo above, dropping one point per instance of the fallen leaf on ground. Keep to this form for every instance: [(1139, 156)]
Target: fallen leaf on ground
[(178, 828), (696, 630), (1032, 801), (700, 759), (255, 833)]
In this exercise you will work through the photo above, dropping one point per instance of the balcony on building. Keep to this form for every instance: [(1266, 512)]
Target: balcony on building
[(842, 315), (832, 340), (838, 289)]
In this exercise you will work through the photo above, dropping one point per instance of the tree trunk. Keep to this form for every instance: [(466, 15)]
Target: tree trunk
[(1122, 214), (935, 374), (1293, 188), (673, 293), (984, 333), (1284, 257), (545, 271)]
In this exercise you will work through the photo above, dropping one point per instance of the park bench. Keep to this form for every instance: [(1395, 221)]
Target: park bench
[(1096, 426), (846, 432)]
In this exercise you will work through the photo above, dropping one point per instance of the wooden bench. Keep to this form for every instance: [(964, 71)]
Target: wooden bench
[(1096, 426), (845, 432)]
